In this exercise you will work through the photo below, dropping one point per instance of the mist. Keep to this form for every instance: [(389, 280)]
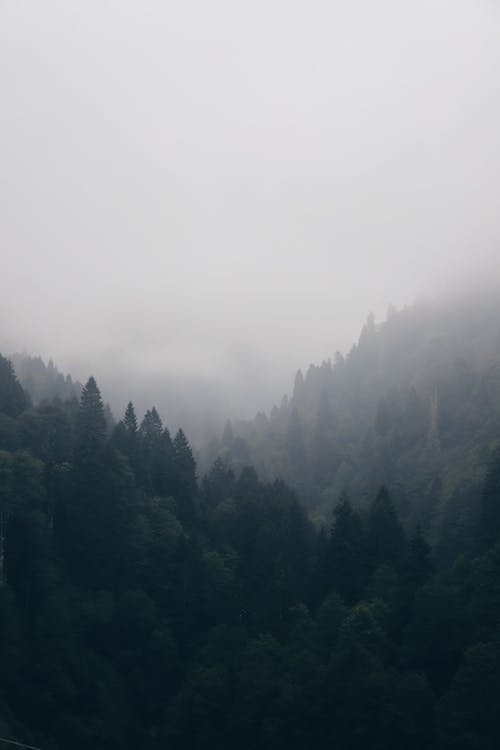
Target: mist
[(200, 198)]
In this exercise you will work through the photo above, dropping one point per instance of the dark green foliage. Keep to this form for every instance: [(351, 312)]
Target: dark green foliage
[(468, 713), (219, 483), (414, 405), (13, 399), (345, 562), (386, 542), (140, 610), (90, 429), (490, 503)]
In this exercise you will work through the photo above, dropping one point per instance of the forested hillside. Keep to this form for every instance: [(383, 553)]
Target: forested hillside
[(144, 607), (414, 405), (44, 382)]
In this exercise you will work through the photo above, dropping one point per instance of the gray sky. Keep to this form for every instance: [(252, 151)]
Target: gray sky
[(230, 187)]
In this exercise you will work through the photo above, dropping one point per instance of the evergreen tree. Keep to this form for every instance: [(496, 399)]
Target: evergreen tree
[(125, 438), (324, 459), (490, 504), (130, 420), (299, 390), (419, 566), (295, 443), (218, 484), (385, 535), (13, 399), (90, 427), (185, 469), (150, 434), (346, 555)]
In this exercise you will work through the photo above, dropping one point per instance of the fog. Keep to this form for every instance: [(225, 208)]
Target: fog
[(198, 198)]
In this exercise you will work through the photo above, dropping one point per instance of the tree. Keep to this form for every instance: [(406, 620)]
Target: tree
[(346, 553), (295, 443), (419, 566), (468, 712), (21, 487), (490, 504), (13, 399), (90, 428), (386, 539), (125, 437), (150, 434), (219, 483), (324, 459), (185, 471), (130, 420)]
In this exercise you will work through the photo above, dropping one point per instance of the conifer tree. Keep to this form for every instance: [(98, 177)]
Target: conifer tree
[(125, 437), (185, 470), (219, 483), (130, 420), (490, 504), (419, 566), (13, 399), (184, 460), (91, 426), (295, 443), (324, 459), (150, 434), (386, 540), (151, 427), (346, 552)]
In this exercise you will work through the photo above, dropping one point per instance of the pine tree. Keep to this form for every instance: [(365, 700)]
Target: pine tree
[(150, 435), (295, 443), (151, 427), (346, 552), (324, 458), (184, 461), (299, 390), (185, 477), (219, 483), (130, 420), (90, 427), (386, 540), (419, 566), (125, 438), (13, 399), (490, 504)]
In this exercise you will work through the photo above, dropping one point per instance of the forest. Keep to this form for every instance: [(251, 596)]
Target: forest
[(414, 405), (145, 606), (249, 375)]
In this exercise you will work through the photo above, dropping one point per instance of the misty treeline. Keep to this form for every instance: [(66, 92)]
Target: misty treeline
[(43, 382), (143, 608), (415, 405)]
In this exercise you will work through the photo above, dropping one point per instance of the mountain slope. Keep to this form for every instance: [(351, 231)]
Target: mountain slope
[(414, 405)]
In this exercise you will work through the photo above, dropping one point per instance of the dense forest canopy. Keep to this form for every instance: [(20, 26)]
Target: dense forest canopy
[(414, 405), (144, 605)]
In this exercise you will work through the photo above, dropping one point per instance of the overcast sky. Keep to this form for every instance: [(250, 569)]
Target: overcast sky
[(217, 186)]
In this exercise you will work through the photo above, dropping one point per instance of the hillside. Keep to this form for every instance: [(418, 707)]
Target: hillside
[(44, 382), (415, 405), (142, 607)]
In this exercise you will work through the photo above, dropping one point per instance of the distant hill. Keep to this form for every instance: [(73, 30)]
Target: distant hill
[(414, 405), (44, 382)]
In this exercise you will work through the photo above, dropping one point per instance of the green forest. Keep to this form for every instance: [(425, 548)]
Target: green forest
[(414, 406), (332, 580)]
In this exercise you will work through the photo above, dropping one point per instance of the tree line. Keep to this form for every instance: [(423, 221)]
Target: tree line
[(144, 606)]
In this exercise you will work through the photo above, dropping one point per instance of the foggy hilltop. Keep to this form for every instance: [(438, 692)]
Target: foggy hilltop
[(193, 192), (413, 405)]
